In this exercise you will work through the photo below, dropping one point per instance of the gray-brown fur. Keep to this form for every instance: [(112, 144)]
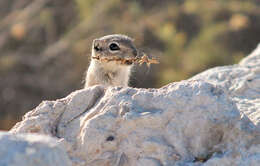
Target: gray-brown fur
[(110, 73)]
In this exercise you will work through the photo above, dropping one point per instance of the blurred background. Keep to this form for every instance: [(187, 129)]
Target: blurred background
[(45, 44)]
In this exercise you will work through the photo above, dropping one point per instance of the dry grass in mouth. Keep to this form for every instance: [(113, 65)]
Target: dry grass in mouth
[(129, 61)]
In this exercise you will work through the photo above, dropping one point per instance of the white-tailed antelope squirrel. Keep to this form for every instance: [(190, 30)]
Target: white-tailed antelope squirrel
[(106, 65), (112, 58)]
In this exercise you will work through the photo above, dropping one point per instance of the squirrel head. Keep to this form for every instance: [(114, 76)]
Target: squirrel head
[(112, 47)]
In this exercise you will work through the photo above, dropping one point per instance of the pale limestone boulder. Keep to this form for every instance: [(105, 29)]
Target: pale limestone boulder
[(241, 82), (31, 150), (211, 119)]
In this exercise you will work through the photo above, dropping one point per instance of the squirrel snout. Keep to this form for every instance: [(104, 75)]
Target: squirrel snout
[(97, 45)]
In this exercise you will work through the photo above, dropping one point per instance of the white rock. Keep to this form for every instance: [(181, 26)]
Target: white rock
[(211, 119), (31, 150), (241, 82)]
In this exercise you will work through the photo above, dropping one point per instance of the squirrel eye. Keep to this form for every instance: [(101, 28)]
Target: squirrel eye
[(114, 47)]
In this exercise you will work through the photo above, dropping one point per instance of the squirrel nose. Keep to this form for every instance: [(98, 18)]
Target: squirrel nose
[(97, 45)]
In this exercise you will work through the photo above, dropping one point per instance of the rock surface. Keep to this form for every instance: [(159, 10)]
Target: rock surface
[(211, 119), (241, 82), (31, 150)]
